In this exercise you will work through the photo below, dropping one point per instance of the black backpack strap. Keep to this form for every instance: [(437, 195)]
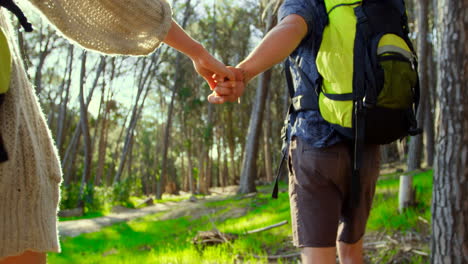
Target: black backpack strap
[(290, 85), (361, 81), (274, 194), (12, 7), (3, 153)]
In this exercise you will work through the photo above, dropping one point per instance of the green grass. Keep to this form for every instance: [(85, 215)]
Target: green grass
[(149, 240), (384, 214), (133, 202), (85, 216), (153, 240)]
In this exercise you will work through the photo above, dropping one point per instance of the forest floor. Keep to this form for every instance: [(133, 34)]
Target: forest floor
[(163, 233), (177, 209)]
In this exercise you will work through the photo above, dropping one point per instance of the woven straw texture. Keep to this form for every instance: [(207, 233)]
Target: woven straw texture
[(131, 27)]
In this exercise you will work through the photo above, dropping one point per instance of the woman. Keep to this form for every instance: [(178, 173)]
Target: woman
[(30, 179)]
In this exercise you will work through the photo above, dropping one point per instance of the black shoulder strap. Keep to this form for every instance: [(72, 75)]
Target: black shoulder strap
[(3, 152), (12, 7), (289, 80)]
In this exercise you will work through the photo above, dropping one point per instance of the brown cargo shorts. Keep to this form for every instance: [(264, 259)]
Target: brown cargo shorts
[(319, 193)]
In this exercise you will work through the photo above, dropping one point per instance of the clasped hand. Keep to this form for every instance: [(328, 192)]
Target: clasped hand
[(228, 90), (227, 83)]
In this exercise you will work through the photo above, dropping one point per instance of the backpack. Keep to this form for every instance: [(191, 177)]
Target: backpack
[(367, 86), (5, 61)]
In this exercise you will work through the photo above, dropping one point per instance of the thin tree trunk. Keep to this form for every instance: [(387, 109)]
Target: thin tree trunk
[(249, 163), (202, 178), (70, 153), (163, 178), (138, 106), (266, 140), (416, 143), (85, 131), (65, 98), (429, 126), (190, 170), (44, 51)]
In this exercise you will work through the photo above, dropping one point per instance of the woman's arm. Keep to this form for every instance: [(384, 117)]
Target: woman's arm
[(205, 64)]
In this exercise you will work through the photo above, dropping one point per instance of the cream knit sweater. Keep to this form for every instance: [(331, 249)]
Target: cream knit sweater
[(29, 181)]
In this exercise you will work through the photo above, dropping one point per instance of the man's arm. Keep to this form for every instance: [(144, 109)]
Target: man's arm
[(276, 46), (205, 64)]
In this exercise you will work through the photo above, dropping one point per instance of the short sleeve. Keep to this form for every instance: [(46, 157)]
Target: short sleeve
[(299, 7)]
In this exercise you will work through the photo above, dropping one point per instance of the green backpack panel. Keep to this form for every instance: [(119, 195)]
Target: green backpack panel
[(5, 64), (5, 76)]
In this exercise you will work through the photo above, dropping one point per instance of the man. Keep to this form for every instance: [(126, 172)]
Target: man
[(319, 157)]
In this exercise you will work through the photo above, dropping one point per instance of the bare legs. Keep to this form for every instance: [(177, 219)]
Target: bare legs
[(348, 254)]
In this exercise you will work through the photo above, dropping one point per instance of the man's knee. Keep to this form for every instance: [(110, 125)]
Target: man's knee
[(319, 255), (350, 253)]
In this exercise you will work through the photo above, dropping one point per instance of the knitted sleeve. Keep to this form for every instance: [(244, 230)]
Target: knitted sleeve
[(127, 27)]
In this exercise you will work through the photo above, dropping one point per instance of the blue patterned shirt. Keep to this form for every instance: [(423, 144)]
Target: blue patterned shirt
[(308, 125)]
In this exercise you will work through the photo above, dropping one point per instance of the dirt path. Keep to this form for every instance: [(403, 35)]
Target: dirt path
[(77, 227)]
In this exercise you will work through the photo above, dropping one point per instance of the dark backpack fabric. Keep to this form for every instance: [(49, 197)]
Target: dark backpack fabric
[(381, 81)]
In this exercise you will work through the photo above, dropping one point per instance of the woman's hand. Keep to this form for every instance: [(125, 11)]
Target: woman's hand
[(208, 67), (205, 64)]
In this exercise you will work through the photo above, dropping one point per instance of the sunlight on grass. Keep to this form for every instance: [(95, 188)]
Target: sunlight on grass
[(151, 240), (385, 215)]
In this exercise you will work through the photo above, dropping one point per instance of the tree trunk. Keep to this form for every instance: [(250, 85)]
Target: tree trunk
[(147, 72), (416, 143), (85, 131), (250, 153), (267, 140), (449, 202), (190, 171), (249, 163), (103, 135), (70, 154), (44, 51), (429, 126), (65, 98), (163, 178)]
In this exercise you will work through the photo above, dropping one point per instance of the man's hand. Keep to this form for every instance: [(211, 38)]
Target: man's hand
[(228, 90)]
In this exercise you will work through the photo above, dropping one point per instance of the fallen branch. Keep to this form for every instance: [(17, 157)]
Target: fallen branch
[(215, 237), (266, 228), (420, 253), (276, 257)]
